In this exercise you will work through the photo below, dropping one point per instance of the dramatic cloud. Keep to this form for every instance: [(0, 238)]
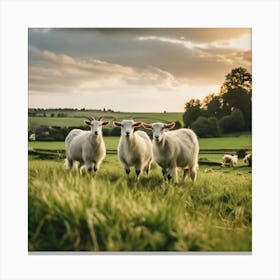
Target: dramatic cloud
[(128, 65), (56, 72)]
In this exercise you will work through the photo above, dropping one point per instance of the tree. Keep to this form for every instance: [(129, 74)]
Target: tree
[(212, 104), (206, 127), (239, 98), (236, 93), (178, 125), (233, 122), (192, 112), (238, 78)]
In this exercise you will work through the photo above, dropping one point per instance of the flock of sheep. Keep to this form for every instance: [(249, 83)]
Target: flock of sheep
[(231, 160), (169, 149)]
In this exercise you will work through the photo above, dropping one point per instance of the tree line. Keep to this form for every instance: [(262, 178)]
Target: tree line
[(228, 111)]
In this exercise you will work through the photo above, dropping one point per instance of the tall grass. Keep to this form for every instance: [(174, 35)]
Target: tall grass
[(105, 212)]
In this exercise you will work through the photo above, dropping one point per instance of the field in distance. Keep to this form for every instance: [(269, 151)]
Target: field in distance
[(76, 118)]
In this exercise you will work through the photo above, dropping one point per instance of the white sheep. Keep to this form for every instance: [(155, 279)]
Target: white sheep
[(248, 159), (229, 160), (86, 147), (172, 149), (135, 148)]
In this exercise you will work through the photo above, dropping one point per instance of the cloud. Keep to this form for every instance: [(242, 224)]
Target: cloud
[(62, 73), (202, 55), (114, 66), (198, 35)]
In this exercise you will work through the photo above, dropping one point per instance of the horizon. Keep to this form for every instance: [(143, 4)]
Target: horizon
[(101, 110)]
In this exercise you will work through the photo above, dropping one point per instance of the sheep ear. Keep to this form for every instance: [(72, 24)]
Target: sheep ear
[(87, 122), (137, 124), (105, 123), (170, 125), (117, 124), (145, 125)]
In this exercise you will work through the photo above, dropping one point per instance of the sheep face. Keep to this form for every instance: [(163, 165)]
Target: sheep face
[(158, 129), (127, 127), (96, 126)]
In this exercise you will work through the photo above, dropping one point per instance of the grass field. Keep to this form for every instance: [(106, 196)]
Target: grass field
[(212, 148), (243, 141), (69, 211), (105, 212), (77, 118)]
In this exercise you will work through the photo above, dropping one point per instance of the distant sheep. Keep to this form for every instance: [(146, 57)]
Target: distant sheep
[(229, 160), (248, 159), (86, 147), (32, 137), (135, 148), (172, 149)]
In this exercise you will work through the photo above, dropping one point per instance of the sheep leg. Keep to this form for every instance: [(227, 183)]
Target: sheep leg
[(96, 166), (147, 168), (185, 174), (80, 164), (172, 171), (137, 171), (127, 171), (88, 165), (68, 163), (164, 174), (193, 173)]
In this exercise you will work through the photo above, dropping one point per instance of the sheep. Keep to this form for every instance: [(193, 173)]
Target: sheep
[(248, 159), (229, 160), (86, 147), (32, 137), (172, 149), (135, 148)]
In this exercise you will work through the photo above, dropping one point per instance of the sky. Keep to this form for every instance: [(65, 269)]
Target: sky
[(131, 69)]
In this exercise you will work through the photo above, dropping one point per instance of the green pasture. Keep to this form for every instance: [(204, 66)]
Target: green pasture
[(77, 118), (243, 141), (68, 211), (212, 149)]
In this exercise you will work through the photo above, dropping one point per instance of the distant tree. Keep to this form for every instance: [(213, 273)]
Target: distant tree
[(61, 115), (238, 78), (239, 98), (206, 127), (106, 131), (115, 131), (212, 105), (233, 122), (192, 112), (177, 125)]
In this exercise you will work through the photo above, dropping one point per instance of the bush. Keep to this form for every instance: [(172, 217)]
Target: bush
[(106, 131), (115, 131), (232, 123), (206, 127), (178, 125), (241, 153)]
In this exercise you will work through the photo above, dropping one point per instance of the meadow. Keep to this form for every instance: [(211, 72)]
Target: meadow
[(69, 211), (76, 118), (106, 212)]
